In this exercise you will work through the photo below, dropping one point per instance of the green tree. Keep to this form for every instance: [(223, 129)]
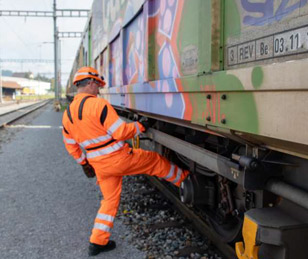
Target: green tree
[(42, 78)]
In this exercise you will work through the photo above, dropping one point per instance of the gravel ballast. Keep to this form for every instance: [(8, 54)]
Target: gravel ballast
[(156, 227)]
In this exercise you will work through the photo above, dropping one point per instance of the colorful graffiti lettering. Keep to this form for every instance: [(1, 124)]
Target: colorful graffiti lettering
[(269, 14)]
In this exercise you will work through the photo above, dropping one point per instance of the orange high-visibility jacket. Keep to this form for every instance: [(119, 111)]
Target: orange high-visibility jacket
[(92, 124)]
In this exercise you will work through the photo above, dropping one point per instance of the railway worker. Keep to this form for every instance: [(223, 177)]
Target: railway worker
[(91, 124)]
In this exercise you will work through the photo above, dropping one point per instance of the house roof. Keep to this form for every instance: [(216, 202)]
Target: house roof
[(10, 84)]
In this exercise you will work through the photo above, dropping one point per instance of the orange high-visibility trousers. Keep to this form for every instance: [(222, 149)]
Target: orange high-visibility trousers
[(109, 174)]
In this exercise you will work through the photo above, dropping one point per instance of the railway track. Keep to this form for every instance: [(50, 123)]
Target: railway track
[(160, 226), (198, 222), (11, 116)]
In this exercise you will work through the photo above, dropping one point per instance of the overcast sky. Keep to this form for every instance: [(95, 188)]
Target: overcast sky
[(22, 38)]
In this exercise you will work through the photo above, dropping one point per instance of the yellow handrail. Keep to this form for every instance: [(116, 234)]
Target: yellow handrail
[(136, 142)]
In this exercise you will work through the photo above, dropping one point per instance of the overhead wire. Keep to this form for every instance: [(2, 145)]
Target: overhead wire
[(12, 29), (29, 46)]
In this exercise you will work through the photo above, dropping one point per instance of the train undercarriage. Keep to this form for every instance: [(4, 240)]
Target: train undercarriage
[(252, 197)]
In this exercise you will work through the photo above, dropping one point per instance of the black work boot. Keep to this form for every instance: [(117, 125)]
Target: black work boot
[(95, 249)]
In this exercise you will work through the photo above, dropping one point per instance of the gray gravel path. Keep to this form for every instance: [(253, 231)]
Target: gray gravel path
[(47, 205)]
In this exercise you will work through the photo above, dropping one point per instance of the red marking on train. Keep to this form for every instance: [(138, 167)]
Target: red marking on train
[(152, 24), (188, 105), (218, 106), (214, 97), (208, 107)]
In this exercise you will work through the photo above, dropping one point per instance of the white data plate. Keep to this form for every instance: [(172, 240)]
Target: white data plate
[(276, 45)]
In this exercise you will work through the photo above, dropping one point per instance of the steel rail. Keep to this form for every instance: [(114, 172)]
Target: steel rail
[(21, 108), (19, 115), (198, 222)]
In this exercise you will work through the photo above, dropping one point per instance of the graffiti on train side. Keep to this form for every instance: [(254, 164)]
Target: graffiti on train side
[(164, 19), (116, 13), (134, 47), (270, 10)]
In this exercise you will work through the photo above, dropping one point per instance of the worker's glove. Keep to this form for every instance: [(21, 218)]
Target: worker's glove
[(88, 170), (146, 123)]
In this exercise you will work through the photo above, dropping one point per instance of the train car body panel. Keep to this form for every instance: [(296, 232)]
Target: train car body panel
[(178, 59), (251, 105), (134, 51), (165, 33), (108, 19)]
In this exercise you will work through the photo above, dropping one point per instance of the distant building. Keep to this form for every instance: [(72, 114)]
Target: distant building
[(10, 90), (30, 86)]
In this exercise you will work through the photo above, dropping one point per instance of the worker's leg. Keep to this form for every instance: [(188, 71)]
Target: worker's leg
[(140, 161), (111, 187)]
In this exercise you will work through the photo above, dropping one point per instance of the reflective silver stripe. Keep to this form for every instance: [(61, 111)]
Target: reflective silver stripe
[(101, 226), (178, 175), (105, 151), (171, 172), (69, 140), (81, 158), (85, 74), (115, 126), (105, 217), (94, 140), (137, 127)]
